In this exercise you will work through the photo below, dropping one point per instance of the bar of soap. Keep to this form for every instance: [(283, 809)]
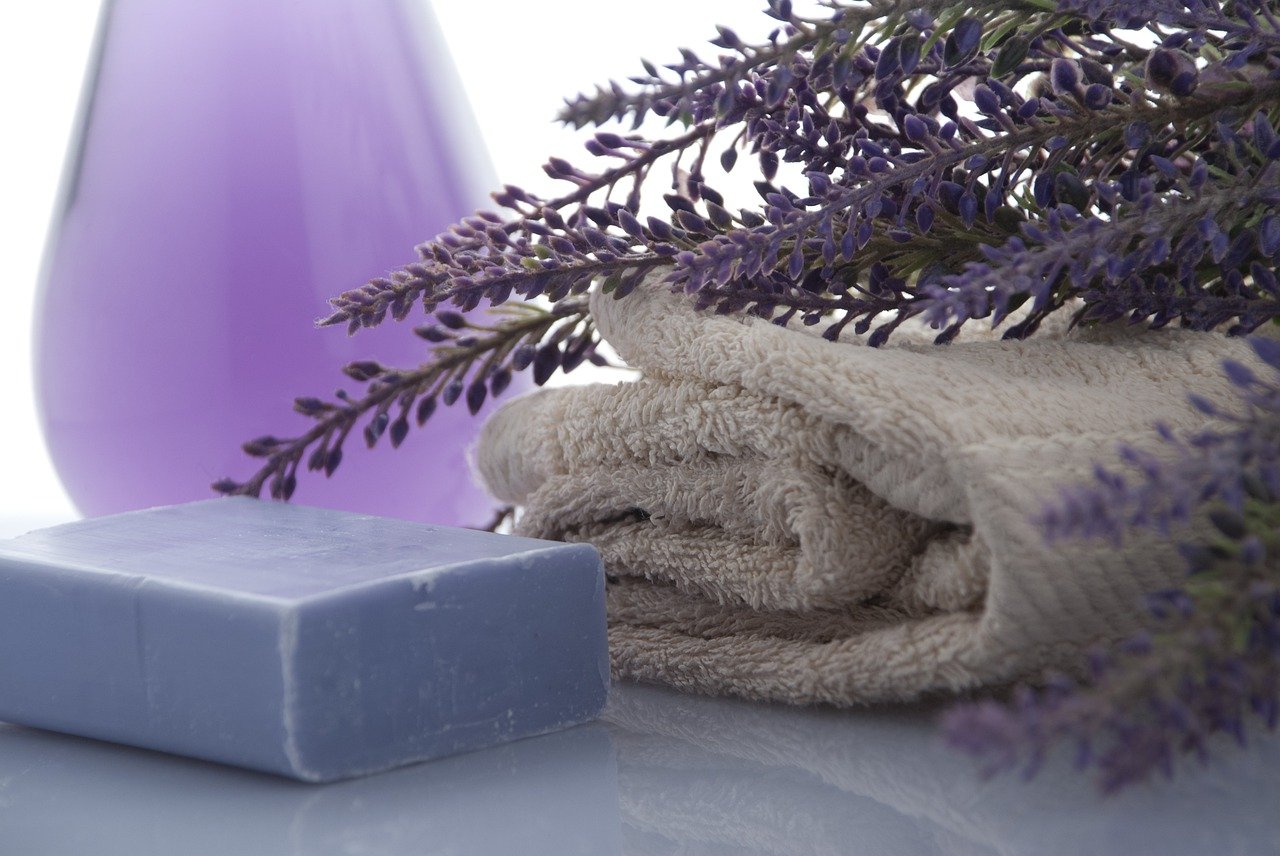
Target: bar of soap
[(315, 644)]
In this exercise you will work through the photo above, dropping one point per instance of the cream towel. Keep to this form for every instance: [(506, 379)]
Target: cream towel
[(793, 519)]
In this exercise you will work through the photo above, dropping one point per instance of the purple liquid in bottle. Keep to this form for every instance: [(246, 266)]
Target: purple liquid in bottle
[(238, 162)]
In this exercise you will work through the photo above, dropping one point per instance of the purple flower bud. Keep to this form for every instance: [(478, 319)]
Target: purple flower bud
[(500, 380), (1129, 185), (226, 486), (545, 363), (426, 407), (1097, 96), (909, 54), (1171, 71), (1042, 190), (795, 262), (261, 447), (1199, 173), (1185, 83), (1238, 373), (1064, 76), (768, 165), (1264, 136), (1253, 551), (1159, 250), (920, 19), (865, 231), (522, 356), (309, 405), (1137, 644), (779, 86), (915, 128), (1137, 134), (887, 64), (963, 41), (1268, 350), (924, 218), (476, 393), (1219, 246), (992, 201), (375, 429), (949, 193), (452, 391), (727, 39), (332, 459), (432, 333), (283, 488), (557, 167), (363, 370), (451, 319), (610, 140), (848, 244), (986, 100), (399, 430)]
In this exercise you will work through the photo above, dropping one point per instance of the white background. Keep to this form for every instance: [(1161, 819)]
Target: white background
[(518, 60)]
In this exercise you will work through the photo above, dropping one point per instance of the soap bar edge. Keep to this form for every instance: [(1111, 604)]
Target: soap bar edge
[(584, 575)]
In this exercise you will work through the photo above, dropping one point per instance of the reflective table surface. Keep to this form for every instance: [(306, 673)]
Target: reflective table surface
[(663, 773)]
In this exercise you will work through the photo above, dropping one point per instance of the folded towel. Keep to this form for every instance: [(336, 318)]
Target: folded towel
[(789, 518)]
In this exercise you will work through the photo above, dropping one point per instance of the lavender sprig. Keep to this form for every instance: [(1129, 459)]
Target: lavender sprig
[(469, 363), (829, 42), (1196, 252), (554, 247)]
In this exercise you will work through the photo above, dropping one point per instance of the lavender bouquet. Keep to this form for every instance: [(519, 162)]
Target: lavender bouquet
[(953, 162)]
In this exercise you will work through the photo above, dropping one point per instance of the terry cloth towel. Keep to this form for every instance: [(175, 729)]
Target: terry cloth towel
[(794, 519)]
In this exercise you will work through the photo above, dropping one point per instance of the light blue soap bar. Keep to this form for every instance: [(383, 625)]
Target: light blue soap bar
[(311, 643)]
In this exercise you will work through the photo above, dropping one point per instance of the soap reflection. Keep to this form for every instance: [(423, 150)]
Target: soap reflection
[(702, 776), (555, 794)]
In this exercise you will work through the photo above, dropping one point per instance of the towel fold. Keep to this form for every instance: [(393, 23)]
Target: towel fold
[(793, 519)]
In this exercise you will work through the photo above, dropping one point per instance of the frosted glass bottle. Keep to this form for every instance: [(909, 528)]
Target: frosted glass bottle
[(238, 162)]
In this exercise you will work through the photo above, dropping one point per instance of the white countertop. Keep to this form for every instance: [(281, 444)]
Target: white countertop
[(662, 774)]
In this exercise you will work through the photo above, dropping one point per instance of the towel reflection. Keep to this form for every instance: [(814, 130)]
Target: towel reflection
[(713, 776)]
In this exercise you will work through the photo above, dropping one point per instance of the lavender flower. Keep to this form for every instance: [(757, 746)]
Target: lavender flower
[(469, 363)]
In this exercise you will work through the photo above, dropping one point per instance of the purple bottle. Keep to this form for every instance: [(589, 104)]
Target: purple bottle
[(237, 163)]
